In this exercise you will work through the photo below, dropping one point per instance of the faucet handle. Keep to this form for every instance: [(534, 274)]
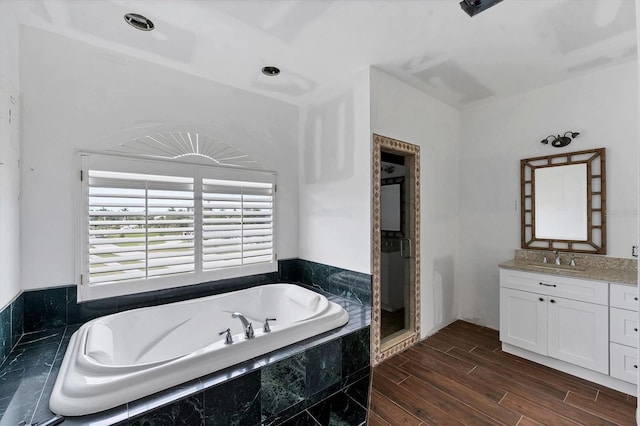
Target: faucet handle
[(267, 329), (228, 339), (248, 332)]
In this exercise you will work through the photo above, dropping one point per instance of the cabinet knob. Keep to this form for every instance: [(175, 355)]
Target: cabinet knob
[(552, 301), (635, 298), (541, 299), (635, 329), (635, 366)]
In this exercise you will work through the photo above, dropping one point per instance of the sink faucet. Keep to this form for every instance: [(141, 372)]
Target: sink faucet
[(248, 328), (557, 257)]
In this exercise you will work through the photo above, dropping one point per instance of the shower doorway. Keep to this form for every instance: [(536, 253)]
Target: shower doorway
[(395, 322)]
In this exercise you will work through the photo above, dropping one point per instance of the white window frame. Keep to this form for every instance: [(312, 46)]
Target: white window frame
[(125, 164)]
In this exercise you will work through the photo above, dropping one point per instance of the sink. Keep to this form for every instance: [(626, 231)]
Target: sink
[(552, 267)]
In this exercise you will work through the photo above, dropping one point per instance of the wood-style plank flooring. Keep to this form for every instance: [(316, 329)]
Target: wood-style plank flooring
[(459, 376)]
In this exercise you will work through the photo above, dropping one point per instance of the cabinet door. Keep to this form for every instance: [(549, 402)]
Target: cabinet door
[(624, 364), (523, 319), (579, 333)]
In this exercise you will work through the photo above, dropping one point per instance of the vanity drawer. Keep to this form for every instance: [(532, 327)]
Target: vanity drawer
[(553, 285), (623, 363), (624, 296), (623, 327)]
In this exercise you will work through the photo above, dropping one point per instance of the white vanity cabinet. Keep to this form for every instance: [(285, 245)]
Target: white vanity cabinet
[(558, 317), (623, 332), (523, 319)]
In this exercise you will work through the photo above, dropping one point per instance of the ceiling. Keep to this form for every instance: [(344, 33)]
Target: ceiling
[(433, 45)]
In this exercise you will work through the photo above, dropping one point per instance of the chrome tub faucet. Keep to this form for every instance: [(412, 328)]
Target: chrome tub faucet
[(248, 328)]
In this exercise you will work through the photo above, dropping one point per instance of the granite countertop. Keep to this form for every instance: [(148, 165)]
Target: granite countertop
[(591, 267)]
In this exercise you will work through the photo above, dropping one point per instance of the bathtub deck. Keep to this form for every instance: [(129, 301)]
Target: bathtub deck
[(28, 375)]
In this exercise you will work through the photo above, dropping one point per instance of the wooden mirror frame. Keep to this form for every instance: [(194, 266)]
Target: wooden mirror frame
[(596, 242), (382, 350)]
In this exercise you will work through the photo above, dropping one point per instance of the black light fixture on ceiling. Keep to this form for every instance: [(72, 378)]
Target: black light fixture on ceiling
[(473, 7), (560, 141)]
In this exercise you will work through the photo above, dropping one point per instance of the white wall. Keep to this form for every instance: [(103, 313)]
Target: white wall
[(602, 106), (76, 97), (9, 155), (402, 112), (335, 177)]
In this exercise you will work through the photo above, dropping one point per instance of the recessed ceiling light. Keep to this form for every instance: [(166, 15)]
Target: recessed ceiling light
[(139, 22), (271, 71)]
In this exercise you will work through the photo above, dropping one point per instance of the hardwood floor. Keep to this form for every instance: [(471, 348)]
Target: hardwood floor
[(459, 376)]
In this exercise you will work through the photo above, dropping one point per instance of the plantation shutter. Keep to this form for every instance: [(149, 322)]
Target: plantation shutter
[(140, 226), (237, 223), (149, 225)]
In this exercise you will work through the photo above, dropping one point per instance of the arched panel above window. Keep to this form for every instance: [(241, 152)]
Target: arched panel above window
[(187, 146)]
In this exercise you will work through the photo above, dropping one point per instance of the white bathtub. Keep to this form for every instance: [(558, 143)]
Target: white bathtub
[(125, 356)]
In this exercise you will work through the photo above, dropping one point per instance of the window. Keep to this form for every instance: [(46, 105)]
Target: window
[(149, 230)]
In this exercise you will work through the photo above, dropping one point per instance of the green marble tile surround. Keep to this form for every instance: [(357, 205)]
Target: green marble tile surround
[(11, 326), (351, 285), (319, 381), (330, 374), (55, 307)]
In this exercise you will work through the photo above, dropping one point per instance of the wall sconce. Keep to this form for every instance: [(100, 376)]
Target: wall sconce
[(387, 168), (560, 141)]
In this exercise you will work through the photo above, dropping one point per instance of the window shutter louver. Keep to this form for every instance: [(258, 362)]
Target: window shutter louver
[(140, 226), (237, 223)]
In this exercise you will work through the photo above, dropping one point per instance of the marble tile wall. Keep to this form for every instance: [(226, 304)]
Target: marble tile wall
[(56, 307), (320, 386), (351, 285), (320, 381), (327, 379), (11, 326), (51, 308)]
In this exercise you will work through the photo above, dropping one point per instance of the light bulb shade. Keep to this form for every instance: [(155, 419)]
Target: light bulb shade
[(561, 141)]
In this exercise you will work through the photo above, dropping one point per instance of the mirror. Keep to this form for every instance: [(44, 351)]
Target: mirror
[(391, 205), (563, 202)]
